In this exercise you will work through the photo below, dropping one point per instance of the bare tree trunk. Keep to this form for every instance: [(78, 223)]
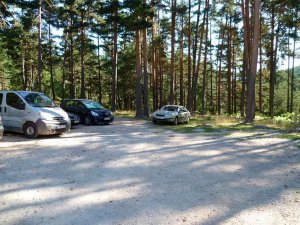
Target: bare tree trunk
[(260, 72), (24, 70), (288, 79), (211, 72), (51, 62), (64, 67), (99, 72), (82, 40), (146, 82), (229, 71), (246, 54), (40, 65), (272, 66), (139, 110), (72, 74), (293, 72), (195, 65), (250, 115), (189, 91), (154, 61), (220, 69), (203, 109), (114, 62), (181, 88), (195, 78), (171, 97)]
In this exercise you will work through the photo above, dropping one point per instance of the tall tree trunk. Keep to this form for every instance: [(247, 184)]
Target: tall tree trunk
[(24, 70), (99, 72), (72, 73), (195, 65), (139, 110), (189, 87), (293, 72), (260, 71), (288, 79), (272, 66), (63, 88), (246, 53), (229, 71), (203, 109), (181, 85), (114, 62), (40, 65), (154, 60), (211, 72), (250, 113), (51, 62), (195, 78), (220, 68), (82, 43), (146, 82), (171, 97)]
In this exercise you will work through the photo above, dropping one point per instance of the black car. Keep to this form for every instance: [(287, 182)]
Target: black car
[(90, 112), (75, 120)]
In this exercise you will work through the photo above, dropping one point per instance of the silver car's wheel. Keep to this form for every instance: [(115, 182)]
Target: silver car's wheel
[(188, 119), (175, 121), (30, 130)]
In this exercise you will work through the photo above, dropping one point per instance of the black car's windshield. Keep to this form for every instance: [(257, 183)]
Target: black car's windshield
[(170, 108), (92, 105), (38, 99)]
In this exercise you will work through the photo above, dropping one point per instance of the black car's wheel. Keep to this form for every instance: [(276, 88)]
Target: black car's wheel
[(175, 121), (87, 120), (30, 130), (188, 119), (154, 121)]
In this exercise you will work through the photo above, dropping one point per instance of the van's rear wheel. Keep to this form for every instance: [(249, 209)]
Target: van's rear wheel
[(30, 130)]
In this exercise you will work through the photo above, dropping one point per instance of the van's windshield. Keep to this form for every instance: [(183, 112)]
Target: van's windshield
[(38, 99)]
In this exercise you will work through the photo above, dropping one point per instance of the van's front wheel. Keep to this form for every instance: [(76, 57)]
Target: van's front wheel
[(30, 130)]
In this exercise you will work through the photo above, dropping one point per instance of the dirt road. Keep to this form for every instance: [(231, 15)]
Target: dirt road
[(132, 172)]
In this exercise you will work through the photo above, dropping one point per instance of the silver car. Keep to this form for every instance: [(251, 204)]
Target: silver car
[(171, 114), (1, 128)]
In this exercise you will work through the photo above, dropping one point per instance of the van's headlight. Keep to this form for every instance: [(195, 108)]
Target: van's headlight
[(44, 116), (95, 114)]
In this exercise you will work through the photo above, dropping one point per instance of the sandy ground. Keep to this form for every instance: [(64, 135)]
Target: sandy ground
[(133, 172)]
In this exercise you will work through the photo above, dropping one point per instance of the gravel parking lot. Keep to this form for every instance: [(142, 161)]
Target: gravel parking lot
[(132, 172)]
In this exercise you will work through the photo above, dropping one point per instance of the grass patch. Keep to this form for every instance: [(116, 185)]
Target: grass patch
[(290, 136), (126, 114)]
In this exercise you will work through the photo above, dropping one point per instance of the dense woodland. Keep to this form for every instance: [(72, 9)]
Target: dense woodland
[(212, 56)]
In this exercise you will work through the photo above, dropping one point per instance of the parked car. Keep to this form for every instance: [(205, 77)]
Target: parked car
[(75, 120), (32, 113), (171, 114), (1, 128), (90, 112)]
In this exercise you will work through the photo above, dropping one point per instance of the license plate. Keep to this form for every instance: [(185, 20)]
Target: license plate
[(60, 126), (76, 121), (107, 118)]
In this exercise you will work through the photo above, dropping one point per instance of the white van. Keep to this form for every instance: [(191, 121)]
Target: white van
[(32, 113)]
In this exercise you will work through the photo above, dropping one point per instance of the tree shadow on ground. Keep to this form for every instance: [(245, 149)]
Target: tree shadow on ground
[(133, 173)]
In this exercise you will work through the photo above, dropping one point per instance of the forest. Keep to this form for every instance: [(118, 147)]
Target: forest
[(212, 56)]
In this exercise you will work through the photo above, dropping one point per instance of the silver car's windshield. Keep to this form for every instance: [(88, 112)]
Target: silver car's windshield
[(170, 108), (38, 99), (92, 105)]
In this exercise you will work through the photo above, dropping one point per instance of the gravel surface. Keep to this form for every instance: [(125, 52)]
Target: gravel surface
[(132, 172)]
